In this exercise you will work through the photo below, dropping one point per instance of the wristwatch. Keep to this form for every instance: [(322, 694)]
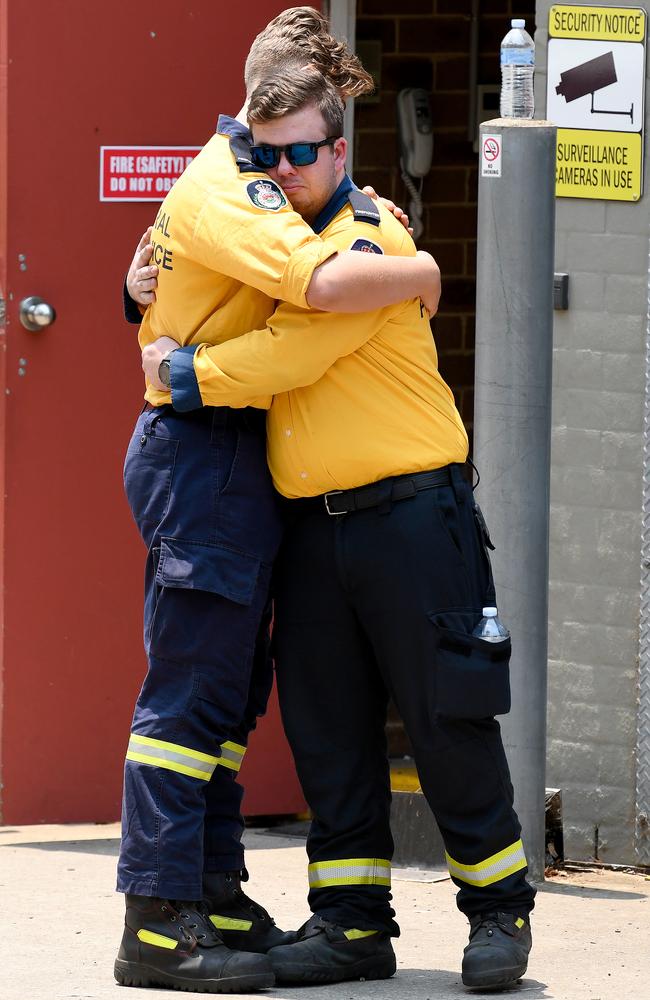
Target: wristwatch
[(164, 371)]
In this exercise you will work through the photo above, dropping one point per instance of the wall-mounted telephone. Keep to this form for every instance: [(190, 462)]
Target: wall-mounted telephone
[(416, 145), (415, 131)]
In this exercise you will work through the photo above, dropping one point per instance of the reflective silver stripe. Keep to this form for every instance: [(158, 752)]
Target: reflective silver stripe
[(493, 869), (232, 755), (349, 871), (172, 756)]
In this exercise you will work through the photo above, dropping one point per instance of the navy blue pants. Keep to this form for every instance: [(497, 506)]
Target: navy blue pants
[(383, 602), (201, 495)]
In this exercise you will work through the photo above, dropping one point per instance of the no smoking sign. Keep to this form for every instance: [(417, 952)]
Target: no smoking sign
[(491, 156)]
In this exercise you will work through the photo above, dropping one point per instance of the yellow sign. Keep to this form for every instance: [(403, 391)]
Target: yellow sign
[(605, 24), (595, 94), (598, 165)]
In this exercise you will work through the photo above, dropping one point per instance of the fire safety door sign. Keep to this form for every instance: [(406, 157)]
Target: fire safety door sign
[(141, 173), (595, 95)]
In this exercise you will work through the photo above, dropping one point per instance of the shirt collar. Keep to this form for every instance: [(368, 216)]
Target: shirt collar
[(231, 127), (334, 205)]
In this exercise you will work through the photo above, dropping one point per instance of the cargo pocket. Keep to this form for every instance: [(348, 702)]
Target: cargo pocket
[(207, 566), (472, 675), (205, 611)]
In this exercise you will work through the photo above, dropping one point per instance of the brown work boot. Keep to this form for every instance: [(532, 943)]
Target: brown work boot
[(173, 945)]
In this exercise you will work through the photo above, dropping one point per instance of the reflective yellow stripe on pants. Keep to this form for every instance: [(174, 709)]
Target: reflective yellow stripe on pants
[(349, 871), (232, 755), (493, 869)]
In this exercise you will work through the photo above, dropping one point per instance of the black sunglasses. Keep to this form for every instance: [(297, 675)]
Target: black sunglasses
[(299, 154)]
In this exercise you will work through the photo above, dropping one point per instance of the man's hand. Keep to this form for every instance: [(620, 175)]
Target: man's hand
[(391, 206), (141, 280), (152, 355), (430, 293)]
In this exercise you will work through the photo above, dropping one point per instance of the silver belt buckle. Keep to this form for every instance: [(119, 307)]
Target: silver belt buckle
[(332, 493)]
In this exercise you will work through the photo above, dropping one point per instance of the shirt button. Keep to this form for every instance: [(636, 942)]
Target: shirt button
[(303, 475), (288, 432)]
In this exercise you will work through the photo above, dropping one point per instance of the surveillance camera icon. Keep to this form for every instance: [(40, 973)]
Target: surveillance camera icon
[(588, 78)]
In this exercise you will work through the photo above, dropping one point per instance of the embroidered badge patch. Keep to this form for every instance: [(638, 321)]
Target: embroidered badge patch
[(366, 246), (266, 194)]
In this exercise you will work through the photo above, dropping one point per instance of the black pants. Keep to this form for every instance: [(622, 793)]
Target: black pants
[(379, 602)]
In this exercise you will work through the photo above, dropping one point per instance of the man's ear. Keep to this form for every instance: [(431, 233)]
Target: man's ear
[(340, 153)]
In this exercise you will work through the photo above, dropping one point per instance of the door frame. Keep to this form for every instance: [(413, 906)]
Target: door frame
[(343, 22)]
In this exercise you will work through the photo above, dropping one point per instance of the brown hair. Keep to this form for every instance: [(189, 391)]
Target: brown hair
[(281, 95), (298, 37)]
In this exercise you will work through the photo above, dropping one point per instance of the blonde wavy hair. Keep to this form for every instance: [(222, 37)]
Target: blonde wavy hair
[(300, 37)]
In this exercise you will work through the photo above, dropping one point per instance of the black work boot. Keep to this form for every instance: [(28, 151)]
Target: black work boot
[(327, 953), (242, 923), (497, 953), (173, 945)]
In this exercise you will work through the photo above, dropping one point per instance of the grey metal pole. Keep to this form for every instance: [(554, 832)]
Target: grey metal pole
[(512, 421)]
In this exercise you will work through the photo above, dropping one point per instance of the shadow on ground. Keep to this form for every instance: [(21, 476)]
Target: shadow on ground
[(413, 984), (255, 839), (587, 891), (111, 847)]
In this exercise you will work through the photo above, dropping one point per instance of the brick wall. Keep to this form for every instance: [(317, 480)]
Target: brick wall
[(596, 480), (425, 43)]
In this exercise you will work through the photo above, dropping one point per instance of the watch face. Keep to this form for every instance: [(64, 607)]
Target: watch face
[(164, 372)]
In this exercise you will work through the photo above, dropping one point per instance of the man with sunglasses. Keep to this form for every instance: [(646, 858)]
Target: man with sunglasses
[(381, 578), (200, 492)]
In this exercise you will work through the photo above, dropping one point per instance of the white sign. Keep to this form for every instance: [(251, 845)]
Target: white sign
[(597, 85), (491, 149)]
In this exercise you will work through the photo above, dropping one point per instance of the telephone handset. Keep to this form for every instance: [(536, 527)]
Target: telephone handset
[(415, 131), (416, 145)]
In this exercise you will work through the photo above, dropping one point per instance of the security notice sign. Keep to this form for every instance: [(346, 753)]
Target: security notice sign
[(141, 173), (595, 95)]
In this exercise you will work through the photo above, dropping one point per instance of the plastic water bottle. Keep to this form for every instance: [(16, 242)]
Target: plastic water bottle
[(491, 628), (517, 68)]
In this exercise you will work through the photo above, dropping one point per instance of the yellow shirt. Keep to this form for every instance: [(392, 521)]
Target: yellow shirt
[(227, 244), (358, 397)]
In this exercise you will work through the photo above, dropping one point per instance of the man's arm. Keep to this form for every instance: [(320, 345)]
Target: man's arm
[(295, 349), (348, 282), (338, 282), (355, 282)]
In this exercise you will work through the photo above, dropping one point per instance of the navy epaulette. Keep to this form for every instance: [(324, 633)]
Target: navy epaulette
[(241, 150), (364, 208)]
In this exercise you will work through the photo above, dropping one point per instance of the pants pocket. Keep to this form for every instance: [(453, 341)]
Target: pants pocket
[(472, 675), (207, 608), (148, 472)]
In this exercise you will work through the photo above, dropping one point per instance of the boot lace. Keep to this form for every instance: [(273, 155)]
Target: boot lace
[(255, 908), (201, 927), (488, 922)]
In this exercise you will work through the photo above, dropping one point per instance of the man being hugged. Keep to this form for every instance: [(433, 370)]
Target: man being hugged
[(381, 578)]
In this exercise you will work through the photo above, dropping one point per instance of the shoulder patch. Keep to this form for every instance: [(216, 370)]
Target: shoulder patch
[(266, 194), (366, 246)]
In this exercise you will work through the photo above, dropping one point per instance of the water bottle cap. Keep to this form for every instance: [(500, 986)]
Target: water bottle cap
[(518, 22), (489, 612)]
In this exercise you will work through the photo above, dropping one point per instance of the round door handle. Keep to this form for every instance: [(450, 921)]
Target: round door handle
[(36, 313)]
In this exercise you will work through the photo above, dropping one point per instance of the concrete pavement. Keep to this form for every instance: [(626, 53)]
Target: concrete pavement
[(61, 924)]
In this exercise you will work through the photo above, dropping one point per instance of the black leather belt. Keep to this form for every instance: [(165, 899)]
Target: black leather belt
[(384, 491)]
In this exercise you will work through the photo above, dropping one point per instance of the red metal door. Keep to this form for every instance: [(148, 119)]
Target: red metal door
[(75, 77)]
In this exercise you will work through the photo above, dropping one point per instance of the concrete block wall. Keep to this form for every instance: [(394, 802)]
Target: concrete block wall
[(596, 495)]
